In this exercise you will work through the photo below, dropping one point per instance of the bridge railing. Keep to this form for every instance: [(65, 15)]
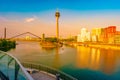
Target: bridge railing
[(11, 69), (40, 67)]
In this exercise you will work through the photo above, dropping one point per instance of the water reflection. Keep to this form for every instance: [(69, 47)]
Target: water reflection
[(48, 49), (56, 60), (83, 57), (84, 63), (55, 56), (96, 59), (109, 61)]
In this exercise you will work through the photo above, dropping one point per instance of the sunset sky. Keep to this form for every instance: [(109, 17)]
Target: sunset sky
[(38, 16)]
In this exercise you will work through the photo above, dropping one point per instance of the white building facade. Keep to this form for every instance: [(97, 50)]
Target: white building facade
[(84, 36)]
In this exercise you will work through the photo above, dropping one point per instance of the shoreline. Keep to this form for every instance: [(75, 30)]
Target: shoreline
[(95, 45)]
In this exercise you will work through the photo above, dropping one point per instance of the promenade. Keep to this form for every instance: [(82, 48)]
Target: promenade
[(95, 45), (40, 75), (41, 72)]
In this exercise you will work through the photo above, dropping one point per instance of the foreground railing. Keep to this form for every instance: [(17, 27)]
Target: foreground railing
[(11, 69), (61, 75)]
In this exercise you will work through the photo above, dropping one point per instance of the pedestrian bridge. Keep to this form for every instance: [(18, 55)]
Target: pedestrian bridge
[(27, 36), (11, 69)]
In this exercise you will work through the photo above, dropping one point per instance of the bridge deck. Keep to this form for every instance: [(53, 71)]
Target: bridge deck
[(40, 75)]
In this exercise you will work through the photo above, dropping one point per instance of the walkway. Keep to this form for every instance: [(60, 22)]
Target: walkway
[(41, 75), (41, 72)]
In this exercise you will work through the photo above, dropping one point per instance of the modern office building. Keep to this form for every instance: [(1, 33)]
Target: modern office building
[(96, 34), (109, 34), (117, 38), (84, 36), (105, 35)]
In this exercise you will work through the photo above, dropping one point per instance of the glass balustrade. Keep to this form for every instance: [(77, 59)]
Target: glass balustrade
[(11, 69)]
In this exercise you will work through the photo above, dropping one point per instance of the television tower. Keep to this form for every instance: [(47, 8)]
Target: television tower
[(57, 15)]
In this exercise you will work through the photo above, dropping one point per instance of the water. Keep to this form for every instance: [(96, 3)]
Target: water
[(83, 63)]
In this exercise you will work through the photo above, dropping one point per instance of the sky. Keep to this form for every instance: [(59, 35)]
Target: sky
[(38, 16)]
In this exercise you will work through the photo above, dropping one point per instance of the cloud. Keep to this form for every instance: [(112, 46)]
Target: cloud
[(29, 20), (3, 19)]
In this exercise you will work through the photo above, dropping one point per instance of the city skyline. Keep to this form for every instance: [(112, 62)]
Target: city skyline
[(37, 16)]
